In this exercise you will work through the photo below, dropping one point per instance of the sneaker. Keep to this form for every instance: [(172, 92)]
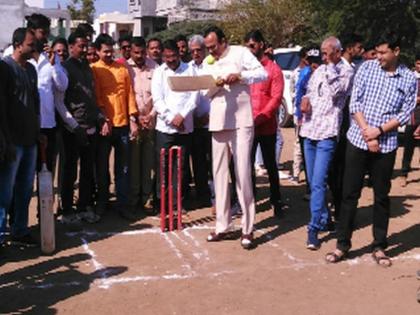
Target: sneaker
[(313, 242), (25, 240), (89, 216)]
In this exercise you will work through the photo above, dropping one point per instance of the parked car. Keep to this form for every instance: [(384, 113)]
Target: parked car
[(288, 60)]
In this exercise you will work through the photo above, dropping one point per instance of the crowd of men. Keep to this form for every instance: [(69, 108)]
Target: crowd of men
[(75, 99)]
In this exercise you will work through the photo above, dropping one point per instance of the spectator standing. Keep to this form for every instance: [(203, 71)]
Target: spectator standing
[(410, 142), (175, 111), (266, 97), (383, 97), (322, 115), (116, 100), (201, 137), (142, 148), (17, 175), (80, 135)]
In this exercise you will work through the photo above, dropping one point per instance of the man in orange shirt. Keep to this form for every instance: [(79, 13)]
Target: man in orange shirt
[(115, 97)]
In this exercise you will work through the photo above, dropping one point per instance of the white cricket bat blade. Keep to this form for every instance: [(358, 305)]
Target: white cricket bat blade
[(47, 220)]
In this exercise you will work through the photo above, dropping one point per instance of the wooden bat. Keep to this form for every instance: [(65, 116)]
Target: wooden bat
[(46, 201)]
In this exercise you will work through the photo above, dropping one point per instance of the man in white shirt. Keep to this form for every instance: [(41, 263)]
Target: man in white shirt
[(201, 138), (174, 123), (232, 127)]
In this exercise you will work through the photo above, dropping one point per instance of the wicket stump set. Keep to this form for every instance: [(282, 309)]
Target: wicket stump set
[(175, 150)]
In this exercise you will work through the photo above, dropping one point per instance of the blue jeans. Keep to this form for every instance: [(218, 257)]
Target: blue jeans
[(318, 156), (16, 181), (119, 139)]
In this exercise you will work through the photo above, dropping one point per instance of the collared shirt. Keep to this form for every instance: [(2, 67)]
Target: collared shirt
[(380, 97), (301, 88), (114, 92), (141, 79), (203, 101), (266, 97), (50, 79), (231, 104), (327, 91), (169, 103)]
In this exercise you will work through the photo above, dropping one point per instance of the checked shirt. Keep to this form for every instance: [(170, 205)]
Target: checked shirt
[(327, 91), (380, 97)]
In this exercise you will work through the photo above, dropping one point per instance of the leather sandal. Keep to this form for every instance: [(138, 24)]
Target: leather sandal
[(334, 257), (383, 261)]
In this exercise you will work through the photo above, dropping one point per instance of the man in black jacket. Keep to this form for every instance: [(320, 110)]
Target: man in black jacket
[(79, 141)]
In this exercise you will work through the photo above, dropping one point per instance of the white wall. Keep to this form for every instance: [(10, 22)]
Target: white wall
[(11, 17), (35, 3)]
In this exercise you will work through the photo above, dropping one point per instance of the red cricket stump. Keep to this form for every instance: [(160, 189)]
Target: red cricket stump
[(178, 152), (162, 190)]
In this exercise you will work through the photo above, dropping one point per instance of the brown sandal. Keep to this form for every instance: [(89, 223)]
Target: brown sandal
[(335, 258), (380, 259)]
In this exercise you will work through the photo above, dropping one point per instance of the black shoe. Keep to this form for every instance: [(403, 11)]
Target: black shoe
[(26, 240), (278, 210)]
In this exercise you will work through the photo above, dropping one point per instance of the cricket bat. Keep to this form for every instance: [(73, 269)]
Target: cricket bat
[(46, 200)]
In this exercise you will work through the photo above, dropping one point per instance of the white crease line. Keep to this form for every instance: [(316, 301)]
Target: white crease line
[(176, 251), (204, 252), (179, 238), (97, 265)]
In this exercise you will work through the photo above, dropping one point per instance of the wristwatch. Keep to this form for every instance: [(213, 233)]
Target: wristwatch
[(133, 118)]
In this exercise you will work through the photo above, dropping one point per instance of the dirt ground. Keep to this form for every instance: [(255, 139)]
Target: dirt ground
[(114, 267)]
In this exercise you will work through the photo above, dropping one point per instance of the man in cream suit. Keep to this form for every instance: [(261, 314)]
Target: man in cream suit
[(232, 127)]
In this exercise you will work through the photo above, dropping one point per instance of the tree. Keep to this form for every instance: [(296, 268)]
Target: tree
[(82, 10), (283, 22), (369, 19), (186, 28)]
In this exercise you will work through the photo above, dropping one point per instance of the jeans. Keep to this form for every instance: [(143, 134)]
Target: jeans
[(16, 182), (119, 140), (318, 156), (380, 167)]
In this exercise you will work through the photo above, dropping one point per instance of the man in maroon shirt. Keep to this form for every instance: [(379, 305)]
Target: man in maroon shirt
[(266, 97)]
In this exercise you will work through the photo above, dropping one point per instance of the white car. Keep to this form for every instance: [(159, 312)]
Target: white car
[(288, 60)]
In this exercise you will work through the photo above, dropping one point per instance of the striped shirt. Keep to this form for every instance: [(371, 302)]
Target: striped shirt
[(381, 96)]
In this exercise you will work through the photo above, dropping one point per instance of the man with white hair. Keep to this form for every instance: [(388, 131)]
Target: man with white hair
[(322, 115), (201, 138)]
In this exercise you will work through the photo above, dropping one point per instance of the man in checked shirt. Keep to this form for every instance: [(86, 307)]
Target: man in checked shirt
[(383, 97), (322, 115)]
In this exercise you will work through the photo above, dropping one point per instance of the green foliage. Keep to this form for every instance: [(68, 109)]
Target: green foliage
[(370, 19), (284, 22), (82, 10), (186, 28)]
